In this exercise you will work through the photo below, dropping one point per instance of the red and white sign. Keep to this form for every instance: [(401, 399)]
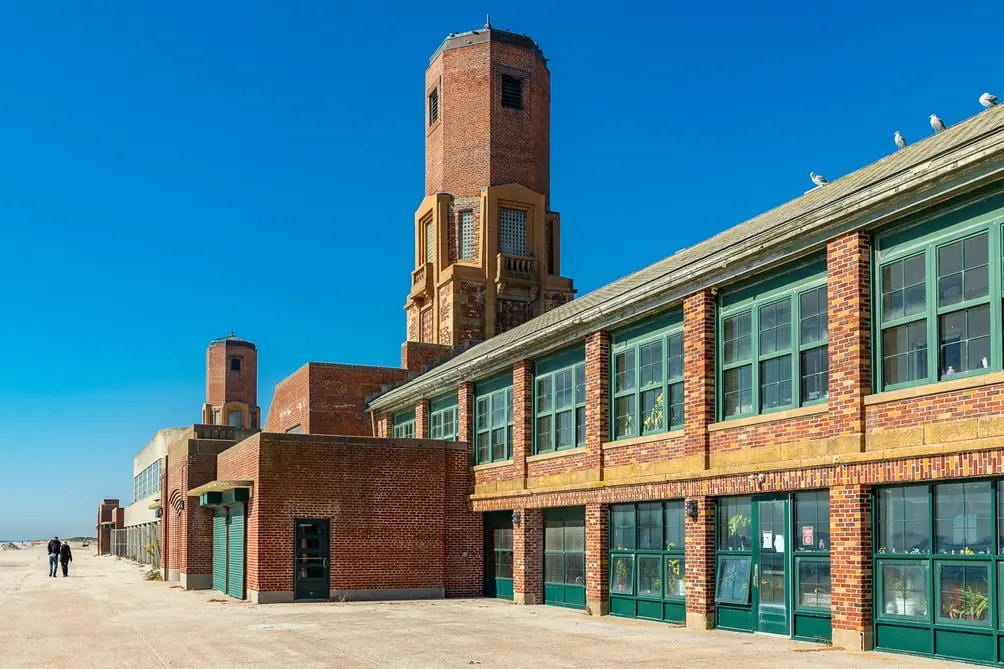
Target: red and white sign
[(807, 535)]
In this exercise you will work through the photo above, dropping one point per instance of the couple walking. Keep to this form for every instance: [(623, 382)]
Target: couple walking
[(59, 553)]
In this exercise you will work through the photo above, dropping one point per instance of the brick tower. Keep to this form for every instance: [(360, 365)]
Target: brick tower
[(232, 383), (486, 242)]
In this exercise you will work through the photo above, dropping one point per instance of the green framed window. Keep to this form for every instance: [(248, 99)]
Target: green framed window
[(813, 590), (647, 369), (773, 342), (565, 557), (404, 425), (560, 402), (493, 420), (735, 545), (647, 560), (938, 298), (443, 418)]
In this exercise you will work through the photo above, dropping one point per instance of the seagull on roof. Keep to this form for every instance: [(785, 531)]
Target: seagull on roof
[(988, 100), (817, 179), (900, 142), (937, 123)]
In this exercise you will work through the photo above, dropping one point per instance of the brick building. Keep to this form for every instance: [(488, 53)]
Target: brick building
[(795, 427)]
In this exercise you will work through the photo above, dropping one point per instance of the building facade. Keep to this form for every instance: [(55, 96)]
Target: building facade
[(232, 384)]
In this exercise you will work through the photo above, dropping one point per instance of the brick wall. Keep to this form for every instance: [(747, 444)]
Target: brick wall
[(698, 371), (944, 407), (851, 564), (528, 558), (597, 558), (522, 415), (849, 315), (415, 355), (799, 428), (672, 446), (226, 385), (597, 395), (699, 552), (422, 419), (291, 403)]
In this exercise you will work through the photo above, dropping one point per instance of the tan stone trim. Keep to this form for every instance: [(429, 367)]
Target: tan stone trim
[(556, 454), (493, 465), (769, 417), (647, 439), (935, 388)]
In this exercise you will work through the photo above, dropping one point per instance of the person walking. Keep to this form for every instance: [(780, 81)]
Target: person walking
[(53, 549), (65, 558)]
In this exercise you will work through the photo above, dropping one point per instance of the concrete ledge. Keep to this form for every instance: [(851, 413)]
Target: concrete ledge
[(935, 389), (556, 454), (280, 597), (700, 621), (851, 639), (197, 581), (384, 594), (769, 417), (598, 607), (173, 575), (524, 599), (647, 439)]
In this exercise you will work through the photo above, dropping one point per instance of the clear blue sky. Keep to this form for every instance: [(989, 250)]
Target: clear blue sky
[(169, 170)]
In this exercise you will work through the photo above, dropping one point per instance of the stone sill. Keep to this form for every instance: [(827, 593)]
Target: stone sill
[(493, 465), (935, 388), (769, 417), (556, 454), (647, 439)]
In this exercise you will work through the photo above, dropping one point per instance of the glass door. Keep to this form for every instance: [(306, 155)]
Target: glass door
[(312, 567), (498, 555), (770, 567)]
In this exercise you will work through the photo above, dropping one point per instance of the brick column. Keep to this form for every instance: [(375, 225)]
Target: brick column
[(699, 543), (465, 413), (528, 557), (597, 399), (522, 415), (698, 373), (848, 289), (597, 555), (851, 566), (385, 425), (422, 419)]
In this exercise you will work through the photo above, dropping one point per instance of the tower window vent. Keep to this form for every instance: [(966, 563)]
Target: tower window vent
[(512, 92), (235, 364), (433, 106)]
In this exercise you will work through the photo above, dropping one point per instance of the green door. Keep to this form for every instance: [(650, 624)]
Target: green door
[(312, 559), (565, 557), (220, 549), (235, 551), (498, 555), (770, 566)]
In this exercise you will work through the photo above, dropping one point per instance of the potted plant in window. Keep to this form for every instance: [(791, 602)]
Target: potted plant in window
[(653, 421), (739, 521), (623, 573), (676, 584), (895, 606)]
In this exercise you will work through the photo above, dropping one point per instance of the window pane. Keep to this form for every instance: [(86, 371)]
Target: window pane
[(652, 411), (650, 526), (624, 371), (815, 374), (737, 337), (676, 576), (580, 425), (484, 453), (964, 338), (675, 355), (905, 353), (734, 528), (775, 382), (565, 429), (673, 515), (623, 415), (575, 535), (544, 441), (812, 521), (964, 593), (649, 575), (902, 521), (904, 589), (963, 518), (676, 405), (813, 316), (554, 535), (575, 569), (580, 384), (622, 574), (738, 391), (544, 394), (813, 583), (733, 580), (503, 561), (623, 527), (563, 389), (553, 563), (651, 364), (483, 413)]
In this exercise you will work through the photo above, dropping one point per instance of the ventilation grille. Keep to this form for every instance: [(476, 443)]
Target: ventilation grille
[(512, 92), (433, 106), (512, 231)]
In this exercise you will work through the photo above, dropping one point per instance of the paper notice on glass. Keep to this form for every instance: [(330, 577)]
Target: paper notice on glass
[(779, 543), (767, 537)]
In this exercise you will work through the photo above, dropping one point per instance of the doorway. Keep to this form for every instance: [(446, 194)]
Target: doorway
[(498, 554), (770, 568), (312, 559)]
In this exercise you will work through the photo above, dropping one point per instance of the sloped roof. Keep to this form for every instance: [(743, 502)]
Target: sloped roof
[(843, 197)]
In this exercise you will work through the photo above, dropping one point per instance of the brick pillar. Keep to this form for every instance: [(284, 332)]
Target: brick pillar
[(385, 425), (528, 557), (522, 415), (597, 399), (422, 419), (597, 555), (698, 373), (465, 413), (848, 289), (699, 543), (851, 566)]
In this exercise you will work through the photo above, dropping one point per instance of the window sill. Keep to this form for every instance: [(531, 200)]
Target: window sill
[(493, 465), (770, 417), (935, 388), (556, 454), (647, 439)]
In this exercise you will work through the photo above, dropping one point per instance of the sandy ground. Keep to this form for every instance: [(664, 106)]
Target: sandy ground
[(107, 615)]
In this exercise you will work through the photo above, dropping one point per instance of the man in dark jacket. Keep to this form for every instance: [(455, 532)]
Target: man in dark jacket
[(53, 549), (65, 558)]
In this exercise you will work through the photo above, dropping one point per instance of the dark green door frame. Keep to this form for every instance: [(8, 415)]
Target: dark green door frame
[(771, 564), (312, 558), (498, 554)]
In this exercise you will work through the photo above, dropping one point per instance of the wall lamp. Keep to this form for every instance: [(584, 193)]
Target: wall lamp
[(515, 518), (692, 508)]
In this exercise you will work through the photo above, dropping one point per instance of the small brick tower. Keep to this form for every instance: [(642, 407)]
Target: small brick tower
[(232, 383), (486, 242)]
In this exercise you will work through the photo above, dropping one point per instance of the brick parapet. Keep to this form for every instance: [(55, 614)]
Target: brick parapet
[(849, 315), (698, 371), (597, 396)]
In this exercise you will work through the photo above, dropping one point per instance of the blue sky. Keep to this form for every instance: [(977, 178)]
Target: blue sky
[(169, 171)]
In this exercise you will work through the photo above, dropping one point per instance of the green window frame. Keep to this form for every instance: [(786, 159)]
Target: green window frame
[(565, 547), (938, 297), (773, 339), (443, 418), (404, 425), (646, 363), (493, 420), (734, 549), (811, 550), (559, 400), (647, 553)]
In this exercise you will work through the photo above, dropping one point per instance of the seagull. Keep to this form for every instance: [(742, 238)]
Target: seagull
[(988, 100), (900, 142), (937, 123), (817, 179)]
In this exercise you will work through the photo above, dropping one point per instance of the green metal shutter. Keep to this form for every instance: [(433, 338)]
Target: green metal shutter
[(220, 549), (235, 557)]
